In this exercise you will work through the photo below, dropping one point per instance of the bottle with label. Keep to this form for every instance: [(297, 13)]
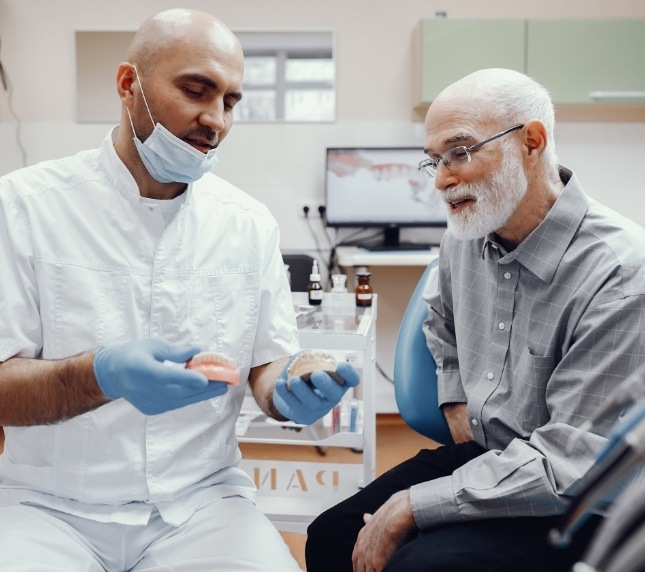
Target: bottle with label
[(315, 289), (363, 288)]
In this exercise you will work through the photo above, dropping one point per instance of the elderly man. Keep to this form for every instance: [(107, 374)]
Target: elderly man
[(114, 262), (537, 313)]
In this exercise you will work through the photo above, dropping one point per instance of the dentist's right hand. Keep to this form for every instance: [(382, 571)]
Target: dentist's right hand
[(135, 371)]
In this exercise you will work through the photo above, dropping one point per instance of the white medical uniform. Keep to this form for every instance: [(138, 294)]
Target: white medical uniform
[(86, 263)]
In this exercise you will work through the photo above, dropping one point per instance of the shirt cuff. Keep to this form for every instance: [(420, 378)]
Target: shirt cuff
[(434, 503), (449, 388)]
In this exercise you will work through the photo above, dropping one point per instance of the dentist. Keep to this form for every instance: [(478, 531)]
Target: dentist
[(115, 261)]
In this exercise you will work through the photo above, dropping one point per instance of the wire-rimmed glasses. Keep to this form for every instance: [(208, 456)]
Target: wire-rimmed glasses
[(457, 155)]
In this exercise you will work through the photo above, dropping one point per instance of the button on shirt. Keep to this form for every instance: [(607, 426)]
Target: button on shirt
[(86, 263), (533, 340)]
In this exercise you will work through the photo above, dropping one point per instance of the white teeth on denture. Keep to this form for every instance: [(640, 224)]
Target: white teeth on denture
[(214, 357), (308, 362)]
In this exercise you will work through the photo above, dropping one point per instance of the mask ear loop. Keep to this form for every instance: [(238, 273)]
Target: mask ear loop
[(144, 101)]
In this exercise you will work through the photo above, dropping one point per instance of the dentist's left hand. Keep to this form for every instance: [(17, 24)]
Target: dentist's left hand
[(297, 400)]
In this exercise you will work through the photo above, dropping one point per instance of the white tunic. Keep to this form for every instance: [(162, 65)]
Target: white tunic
[(85, 263)]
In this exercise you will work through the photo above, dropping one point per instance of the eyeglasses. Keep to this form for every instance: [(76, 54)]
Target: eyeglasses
[(457, 155)]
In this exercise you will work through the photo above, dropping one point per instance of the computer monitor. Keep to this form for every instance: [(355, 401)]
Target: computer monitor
[(381, 187)]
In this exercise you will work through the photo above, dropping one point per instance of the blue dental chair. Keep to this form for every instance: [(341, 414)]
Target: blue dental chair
[(415, 377)]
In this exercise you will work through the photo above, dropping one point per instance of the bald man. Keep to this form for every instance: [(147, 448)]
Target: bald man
[(118, 265), (536, 314)]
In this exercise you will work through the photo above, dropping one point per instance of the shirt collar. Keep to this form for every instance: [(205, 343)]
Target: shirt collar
[(543, 249), (116, 171)]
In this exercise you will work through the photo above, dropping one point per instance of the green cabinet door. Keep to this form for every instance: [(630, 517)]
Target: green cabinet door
[(588, 61), (451, 49)]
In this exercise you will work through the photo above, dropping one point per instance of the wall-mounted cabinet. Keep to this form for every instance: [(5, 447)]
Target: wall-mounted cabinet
[(588, 61), (451, 49), (594, 69)]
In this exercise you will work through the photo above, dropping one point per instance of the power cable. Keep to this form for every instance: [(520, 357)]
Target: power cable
[(322, 210), (349, 240), (382, 372)]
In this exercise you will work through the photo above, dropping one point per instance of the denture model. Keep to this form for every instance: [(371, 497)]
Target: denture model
[(308, 362), (216, 367)]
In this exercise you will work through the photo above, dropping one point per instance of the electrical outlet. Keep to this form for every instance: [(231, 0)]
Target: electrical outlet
[(313, 205)]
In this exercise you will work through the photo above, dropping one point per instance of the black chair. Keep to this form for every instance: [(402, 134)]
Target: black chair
[(299, 268)]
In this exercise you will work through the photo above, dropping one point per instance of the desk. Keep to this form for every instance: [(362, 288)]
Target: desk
[(293, 493), (355, 256)]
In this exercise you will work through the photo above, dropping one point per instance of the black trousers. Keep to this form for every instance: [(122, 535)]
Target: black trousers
[(502, 544)]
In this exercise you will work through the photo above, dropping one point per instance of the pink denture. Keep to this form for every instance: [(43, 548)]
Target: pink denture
[(215, 366)]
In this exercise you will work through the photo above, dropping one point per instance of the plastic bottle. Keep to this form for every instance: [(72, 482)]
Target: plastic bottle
[(353, 416), (363, 288), (315, 289), (338, 290), (339, 281), (335, 419)]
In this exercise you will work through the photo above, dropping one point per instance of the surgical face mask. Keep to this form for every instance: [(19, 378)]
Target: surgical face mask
[(167, 158)]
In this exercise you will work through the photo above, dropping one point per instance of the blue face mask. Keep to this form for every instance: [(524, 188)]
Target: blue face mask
[(167, 158)]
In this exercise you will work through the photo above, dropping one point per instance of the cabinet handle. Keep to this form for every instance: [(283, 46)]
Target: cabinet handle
[(635, 94)]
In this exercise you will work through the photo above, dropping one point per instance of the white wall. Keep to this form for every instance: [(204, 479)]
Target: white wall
[(281, 164)]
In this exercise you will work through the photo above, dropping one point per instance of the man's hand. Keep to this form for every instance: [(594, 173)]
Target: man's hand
[(384, 533), (135, 371), (299, 401), (457, 417)]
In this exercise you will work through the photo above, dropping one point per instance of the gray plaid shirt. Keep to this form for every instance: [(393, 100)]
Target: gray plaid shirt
[(533, 340)]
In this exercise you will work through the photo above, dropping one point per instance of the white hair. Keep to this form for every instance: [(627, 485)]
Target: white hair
[(519, 99)]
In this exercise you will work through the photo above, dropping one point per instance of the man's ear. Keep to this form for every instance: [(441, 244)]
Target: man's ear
[(125, 77), (535, 139)]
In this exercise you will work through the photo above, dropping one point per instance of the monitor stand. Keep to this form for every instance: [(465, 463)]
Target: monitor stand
[(391, 241)]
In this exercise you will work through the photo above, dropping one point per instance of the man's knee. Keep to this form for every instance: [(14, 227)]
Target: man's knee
[(330, 541), (323, 526), (32, 538), (411, 558)]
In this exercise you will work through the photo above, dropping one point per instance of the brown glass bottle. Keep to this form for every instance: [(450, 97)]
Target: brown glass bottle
[(363, 288)]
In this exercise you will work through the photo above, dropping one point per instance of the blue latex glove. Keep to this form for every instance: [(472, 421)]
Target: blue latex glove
[(135, 371), (305, 402)]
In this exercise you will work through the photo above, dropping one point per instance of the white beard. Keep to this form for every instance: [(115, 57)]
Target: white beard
[(497, 198)]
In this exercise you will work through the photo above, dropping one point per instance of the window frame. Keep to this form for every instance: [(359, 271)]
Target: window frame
[(286, 46)]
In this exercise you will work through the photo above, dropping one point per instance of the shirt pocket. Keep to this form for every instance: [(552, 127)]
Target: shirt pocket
[(86, 308), (530, 381)]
